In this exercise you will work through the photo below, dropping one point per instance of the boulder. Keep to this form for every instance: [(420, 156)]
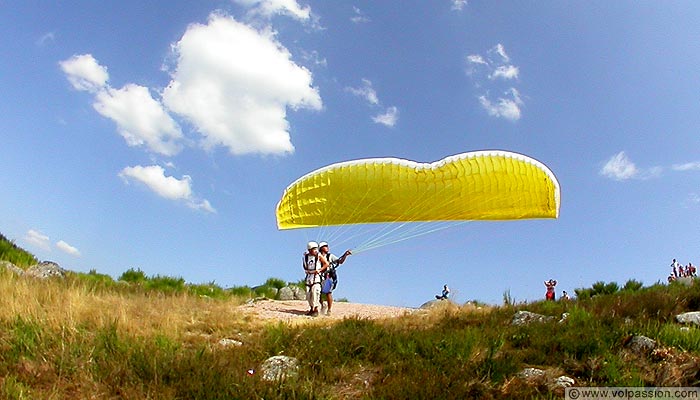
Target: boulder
[(435, 303), (11, 267), (531, 373), (299, 294), (552, 378), (230, 342), (527, 317), (692, 317), (563, 382), (279, 368), (46, 269), (641, 344), (286, 293)]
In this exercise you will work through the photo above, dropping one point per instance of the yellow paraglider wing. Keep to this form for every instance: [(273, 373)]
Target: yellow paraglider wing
[(484, 185)]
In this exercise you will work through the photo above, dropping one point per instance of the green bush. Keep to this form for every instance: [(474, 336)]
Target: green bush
[(275, 283), (166, 284), (133, 276), (208, 290), (632, 285), (240, 291)]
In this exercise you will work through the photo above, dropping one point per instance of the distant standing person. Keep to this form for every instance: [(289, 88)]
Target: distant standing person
[(675, 266), (315, 265), (550, 284), (445, 293), (331, 281)]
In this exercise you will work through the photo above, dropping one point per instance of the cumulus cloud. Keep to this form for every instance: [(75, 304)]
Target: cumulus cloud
[(501, 52), (485, 72), (140, 118), (68, 249), (389, 118), (234, 84), (168, 187), (366, 91), (269, 8), (358, 16), (619, 168), (458, 5), (691, 166), (505, 72), (476, 59), (38, 239), (45, 39), (84, 73), (504, 107)]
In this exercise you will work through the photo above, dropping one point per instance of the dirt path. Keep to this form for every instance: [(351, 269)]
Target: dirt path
[(294, 310)]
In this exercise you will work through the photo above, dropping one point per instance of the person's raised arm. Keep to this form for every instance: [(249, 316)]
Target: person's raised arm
[(344, 256)]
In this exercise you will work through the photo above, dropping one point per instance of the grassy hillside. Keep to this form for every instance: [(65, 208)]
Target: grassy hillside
[(15, 254), (76, 338), (89, 336)]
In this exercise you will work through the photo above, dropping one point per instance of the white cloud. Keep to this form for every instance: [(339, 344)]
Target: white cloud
[(314, 58), (458, 5), (68, 249), (168, 187), (500, 50), (234, 84), (389, 118), (365, 91), (359, 17), (46, 38), (269, 8), (619, 168), (505, 72), (508, 108), (486, 74), (37, 239), (84, 73), (476, 59), (140, 119), (691, 166)]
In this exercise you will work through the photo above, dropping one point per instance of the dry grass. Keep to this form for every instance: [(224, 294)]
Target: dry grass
[(71, 307)]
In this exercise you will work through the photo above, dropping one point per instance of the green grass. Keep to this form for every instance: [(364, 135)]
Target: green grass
[(457, 353), (15, 254), (89, 336)]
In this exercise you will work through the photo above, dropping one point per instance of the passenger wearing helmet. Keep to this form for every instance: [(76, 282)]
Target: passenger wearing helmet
[(331, 277), (314, 265)]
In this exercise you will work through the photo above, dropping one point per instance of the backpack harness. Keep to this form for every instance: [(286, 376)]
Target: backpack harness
[(309, 263)]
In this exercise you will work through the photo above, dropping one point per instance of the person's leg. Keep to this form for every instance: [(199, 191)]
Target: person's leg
[(309, 299), (330, 302), (316, 291)]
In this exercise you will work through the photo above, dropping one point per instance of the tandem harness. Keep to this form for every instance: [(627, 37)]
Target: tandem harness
[(310, 263)]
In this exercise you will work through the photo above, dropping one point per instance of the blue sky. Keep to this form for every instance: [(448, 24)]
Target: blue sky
[(161, 135)]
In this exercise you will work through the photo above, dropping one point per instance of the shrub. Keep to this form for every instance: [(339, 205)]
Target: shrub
[(275, 283), (209, 290), (133, 276), (632, 285), (240, 291), (166, 284)]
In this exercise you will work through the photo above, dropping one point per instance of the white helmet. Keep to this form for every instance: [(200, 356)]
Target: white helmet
[(312, 245), (322, 244)]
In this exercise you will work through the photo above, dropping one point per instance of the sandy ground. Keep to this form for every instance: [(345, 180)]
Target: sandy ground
[(295, 310)]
